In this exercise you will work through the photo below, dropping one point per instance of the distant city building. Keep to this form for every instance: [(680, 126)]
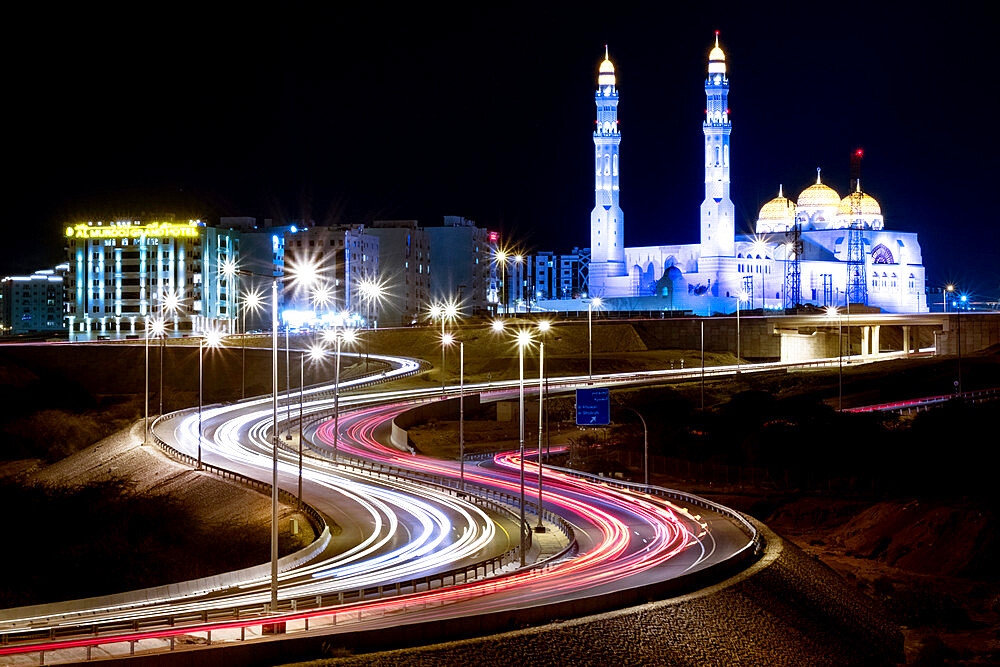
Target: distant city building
[(461, 255), (340, 257), (33, 304), (122, 271), (555, 276), (801, 253), (405, 263)]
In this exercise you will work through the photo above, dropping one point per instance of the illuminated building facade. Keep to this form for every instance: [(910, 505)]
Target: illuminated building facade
[(33, 304), (462, 257), (122, 271), (709, 276), (340, 256), (405, 262)]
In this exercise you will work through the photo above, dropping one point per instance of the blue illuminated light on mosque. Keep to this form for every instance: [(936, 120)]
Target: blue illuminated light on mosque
[(709, 276)]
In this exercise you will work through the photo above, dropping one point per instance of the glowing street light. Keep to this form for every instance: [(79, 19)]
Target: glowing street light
[(446, 311), (523, 338), (156, 328), (170, 302), (543, 328), (253, 301), (949, 289), (741, 296), (595, 302), (211, 339), (338, 337)]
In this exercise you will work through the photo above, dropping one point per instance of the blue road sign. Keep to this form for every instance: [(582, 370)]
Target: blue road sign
[(593, 407)]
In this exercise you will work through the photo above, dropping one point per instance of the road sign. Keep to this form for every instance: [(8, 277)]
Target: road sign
[(593, 407)]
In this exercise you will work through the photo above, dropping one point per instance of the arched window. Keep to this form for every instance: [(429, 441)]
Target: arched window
[(607, 165), (614, 167), (716, 155), (607, 128), (725, 155), (882, 255)]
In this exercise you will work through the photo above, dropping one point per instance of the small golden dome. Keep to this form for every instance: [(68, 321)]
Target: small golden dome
[(606, 77), (859, 203), (717, 53), (780, 208)]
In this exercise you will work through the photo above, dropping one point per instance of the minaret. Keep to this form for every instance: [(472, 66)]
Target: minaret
[(717, 212), (607, 227)]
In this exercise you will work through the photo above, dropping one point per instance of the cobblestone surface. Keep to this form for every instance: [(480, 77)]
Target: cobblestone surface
[(788, 609)]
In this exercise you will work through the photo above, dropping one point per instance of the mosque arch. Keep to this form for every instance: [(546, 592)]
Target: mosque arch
[(882, 255)]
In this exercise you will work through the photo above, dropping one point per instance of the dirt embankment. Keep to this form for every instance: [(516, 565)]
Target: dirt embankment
[(133, 518), (931, 563)]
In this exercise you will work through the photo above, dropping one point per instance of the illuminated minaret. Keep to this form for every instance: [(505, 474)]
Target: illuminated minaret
[(607, 228), (717, 212)]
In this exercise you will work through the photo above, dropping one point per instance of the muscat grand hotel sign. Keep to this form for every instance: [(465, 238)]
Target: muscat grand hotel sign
[(134, 229)]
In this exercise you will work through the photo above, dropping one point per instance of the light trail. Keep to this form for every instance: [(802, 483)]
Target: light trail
[(626, 538)]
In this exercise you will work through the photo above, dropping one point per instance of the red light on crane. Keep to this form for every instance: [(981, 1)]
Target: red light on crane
[(860, 152)]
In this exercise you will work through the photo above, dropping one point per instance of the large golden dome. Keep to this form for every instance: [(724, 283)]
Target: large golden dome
[(819, 195), (780, 208), (859, 203)]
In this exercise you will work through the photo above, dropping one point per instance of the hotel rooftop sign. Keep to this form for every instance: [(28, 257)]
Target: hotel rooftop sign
[(134, 229)]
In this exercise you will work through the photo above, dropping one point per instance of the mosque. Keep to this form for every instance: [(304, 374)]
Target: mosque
[(820, 249)]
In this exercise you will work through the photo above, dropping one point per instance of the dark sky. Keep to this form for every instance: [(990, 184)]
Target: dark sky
[(344, 116)]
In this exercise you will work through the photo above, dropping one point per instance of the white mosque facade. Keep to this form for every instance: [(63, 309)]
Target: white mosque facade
[(710, 276)]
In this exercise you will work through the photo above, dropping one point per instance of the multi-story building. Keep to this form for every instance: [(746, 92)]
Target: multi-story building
[(462, 255), (405, 262), (123, 271), (555, 276), (33, 304), (340, 258)]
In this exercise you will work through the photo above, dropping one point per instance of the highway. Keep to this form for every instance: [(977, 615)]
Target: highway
[(399, 532)]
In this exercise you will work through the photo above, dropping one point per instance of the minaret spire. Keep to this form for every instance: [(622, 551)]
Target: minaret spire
[(607, 228), (780, 193), (718, 229), (818, 181)]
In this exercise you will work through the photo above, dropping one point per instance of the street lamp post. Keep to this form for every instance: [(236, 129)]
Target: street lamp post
[(339, 337), (211, 339), (523, 339), (543, 328), (594, 301), (833, 311), (645, 444), (947, 292), (461, 415)]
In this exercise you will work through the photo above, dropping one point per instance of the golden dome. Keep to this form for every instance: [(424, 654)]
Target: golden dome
[(859, 203), (779, 208), (607, 71), (717, 53), (819, 195)]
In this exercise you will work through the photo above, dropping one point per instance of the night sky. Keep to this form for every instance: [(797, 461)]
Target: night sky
[(335, 116)]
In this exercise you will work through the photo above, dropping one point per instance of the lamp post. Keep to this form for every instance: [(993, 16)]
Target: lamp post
[(211, 339), (833, 311), (702, 365), (155, 327), (500, 257), (444, 311), (523, 340), (543, 328), (944, 301), (645, 444), (338, 336), (169, 304), (461, 416), (252, 300), (519, 260), (595, 301), (740, 297)]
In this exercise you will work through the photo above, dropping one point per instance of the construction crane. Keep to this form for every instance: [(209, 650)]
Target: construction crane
[(857, 279)]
